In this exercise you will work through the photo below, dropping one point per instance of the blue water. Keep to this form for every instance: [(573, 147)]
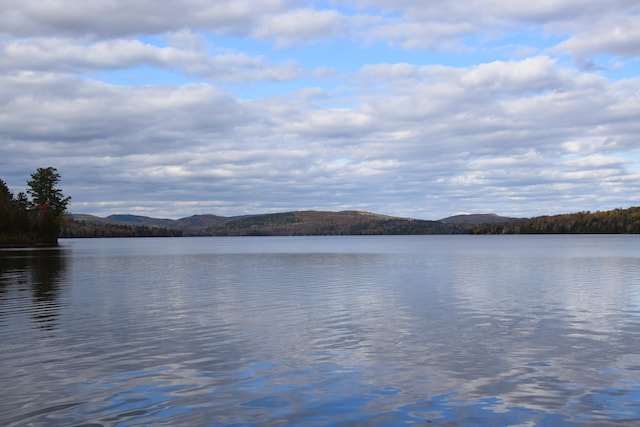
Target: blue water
[(372, 330)]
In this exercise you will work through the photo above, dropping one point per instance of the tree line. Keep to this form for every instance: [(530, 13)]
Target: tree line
[(75, 229), (34, 216), (616, 221)]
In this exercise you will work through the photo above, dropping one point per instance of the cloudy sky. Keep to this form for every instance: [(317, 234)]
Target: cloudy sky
[(420, 109)]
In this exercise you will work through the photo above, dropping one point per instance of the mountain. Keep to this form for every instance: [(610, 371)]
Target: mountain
[(199, 221), (300, 223), (89, 219), (276, 224), (478, 219), (138, 220)]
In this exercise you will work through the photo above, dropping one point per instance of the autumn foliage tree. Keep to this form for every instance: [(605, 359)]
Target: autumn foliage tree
[(616, 221)]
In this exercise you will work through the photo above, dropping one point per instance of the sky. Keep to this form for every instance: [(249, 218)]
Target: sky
[(421, 109)]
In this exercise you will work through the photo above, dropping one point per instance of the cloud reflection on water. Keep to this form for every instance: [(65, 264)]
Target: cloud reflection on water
[(391, 330)]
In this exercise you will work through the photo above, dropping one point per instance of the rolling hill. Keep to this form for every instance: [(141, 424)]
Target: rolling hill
[(302, 223), (276, 224), (478, 219)]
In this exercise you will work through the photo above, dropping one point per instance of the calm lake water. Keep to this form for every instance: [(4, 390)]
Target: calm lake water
[(313, 331)]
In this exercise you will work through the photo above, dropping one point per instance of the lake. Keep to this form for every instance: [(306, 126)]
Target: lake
[(314, 331)]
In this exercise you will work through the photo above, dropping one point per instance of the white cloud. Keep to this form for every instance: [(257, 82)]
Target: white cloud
[(434, 131), (300, 25), (409, 137), (590, 27), (420, 35), (615, 35), (69, 56), (67, 110), (530, 75), (118, 18)]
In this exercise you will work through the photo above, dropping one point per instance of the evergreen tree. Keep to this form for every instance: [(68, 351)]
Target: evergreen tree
[(5, 194), (45, 196), (48, 203), (6, 208)]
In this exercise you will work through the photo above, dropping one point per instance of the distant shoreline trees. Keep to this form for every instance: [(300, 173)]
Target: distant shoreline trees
[(34, 220), (616, 221), (318, 223)]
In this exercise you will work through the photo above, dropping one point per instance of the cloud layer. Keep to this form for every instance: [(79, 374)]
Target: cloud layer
[(395, 107)]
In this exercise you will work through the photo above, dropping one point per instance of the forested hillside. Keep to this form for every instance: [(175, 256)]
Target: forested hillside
[(299, 223), (617, 221), (304, 223)]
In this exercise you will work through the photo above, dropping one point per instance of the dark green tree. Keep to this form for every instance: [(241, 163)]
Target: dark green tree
[(14, 214), (47, 202), (6, 196), (6, 207), (44, 192), (23, 220)]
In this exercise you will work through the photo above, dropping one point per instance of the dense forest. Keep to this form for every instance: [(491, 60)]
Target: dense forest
[(617, 221), (72, 228), (34, 217)]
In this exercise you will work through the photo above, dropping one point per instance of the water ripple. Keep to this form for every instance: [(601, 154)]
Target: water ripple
[(364, 331)]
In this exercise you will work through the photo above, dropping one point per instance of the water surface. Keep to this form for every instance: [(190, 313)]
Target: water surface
[(372, 330)]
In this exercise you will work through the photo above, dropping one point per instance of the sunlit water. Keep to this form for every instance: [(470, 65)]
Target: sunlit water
[(387, 330)]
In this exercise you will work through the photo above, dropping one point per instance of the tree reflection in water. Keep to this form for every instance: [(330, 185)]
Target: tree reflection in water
[(41, 272)]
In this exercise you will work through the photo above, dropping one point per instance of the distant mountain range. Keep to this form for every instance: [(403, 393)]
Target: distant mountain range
[(287, 223), (478, 219), (302, 223), (195, 221), (206, 220)]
